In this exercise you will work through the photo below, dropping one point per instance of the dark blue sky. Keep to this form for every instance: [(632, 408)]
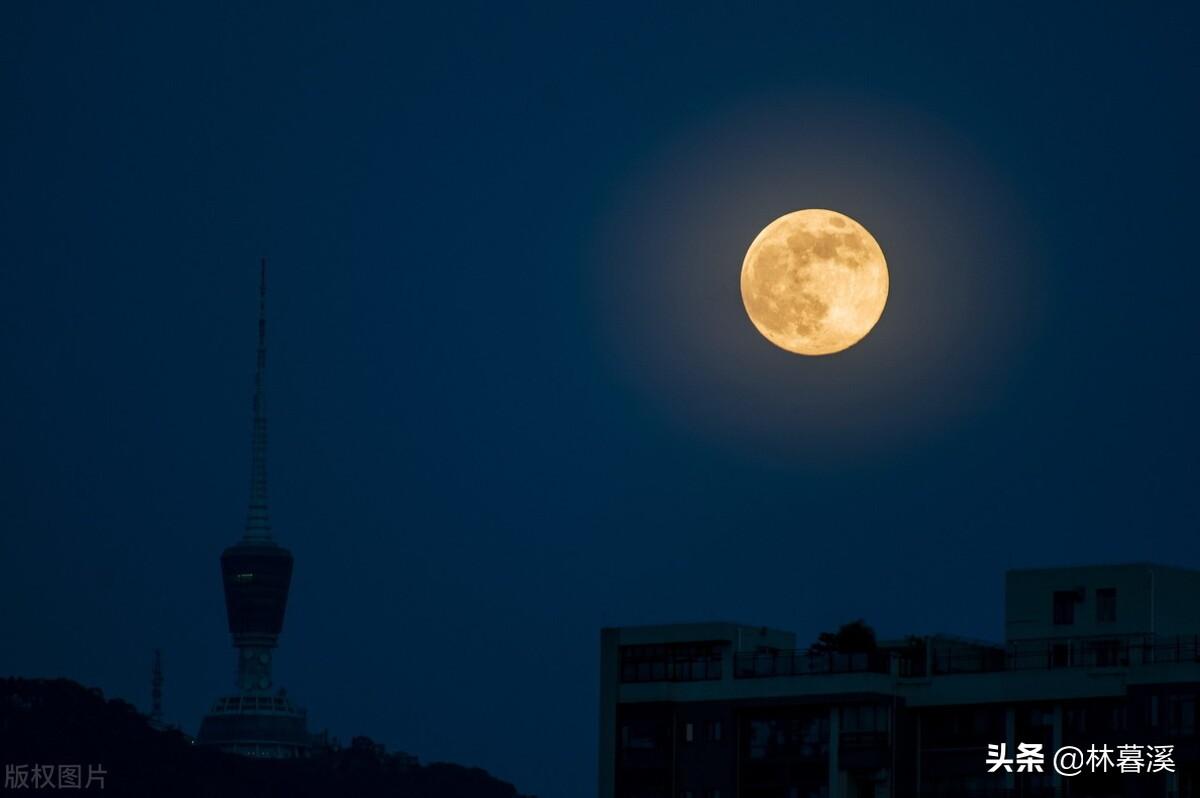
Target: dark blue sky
[(512, 391)]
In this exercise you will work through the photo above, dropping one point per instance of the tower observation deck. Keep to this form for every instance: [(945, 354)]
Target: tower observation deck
[(256, 572)]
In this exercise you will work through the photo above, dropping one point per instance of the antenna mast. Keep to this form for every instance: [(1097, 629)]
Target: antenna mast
[(258, 525)]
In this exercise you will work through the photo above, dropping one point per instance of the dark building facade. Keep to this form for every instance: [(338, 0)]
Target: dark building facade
[(1093, 657), (256, 573)]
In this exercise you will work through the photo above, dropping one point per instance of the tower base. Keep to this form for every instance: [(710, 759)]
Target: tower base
[(259, 725)]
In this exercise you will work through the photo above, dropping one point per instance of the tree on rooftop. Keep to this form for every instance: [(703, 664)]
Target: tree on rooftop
[(855, 637)]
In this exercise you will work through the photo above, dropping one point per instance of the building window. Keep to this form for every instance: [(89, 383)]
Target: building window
[(714, 731), (1182, 715), (1107, 653), (675, 662), (639, 736), (1064, 607), (791, 738), (1106, 605), (688, 732)]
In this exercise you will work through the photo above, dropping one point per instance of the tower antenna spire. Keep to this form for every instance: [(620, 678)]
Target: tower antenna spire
[(258, 524)]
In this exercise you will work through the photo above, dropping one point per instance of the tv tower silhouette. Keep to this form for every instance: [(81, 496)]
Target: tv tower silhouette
[(256, 572)]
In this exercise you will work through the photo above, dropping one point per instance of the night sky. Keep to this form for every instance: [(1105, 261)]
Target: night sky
[(513, 393)]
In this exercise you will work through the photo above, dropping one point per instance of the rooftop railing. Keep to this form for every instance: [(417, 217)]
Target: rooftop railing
[(1080, 652), (1042, 654), (765, 664)]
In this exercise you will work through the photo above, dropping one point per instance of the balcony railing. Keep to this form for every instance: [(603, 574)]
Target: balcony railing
[(1025, 655), (1080, 652), (997, 792), (765, 664)]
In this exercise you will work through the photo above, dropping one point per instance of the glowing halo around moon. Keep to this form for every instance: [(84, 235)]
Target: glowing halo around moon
[(814, 282)]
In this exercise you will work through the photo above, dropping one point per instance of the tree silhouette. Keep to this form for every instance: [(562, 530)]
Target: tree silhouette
[(57, 721), (855, 637)]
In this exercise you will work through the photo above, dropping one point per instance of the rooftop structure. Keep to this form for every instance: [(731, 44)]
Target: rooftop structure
[(1092, 655)]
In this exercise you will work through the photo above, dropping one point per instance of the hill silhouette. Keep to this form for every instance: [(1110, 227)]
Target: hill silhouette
[(60, 722)]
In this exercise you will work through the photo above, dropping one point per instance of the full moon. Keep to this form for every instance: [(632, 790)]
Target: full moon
[(814, 282)]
